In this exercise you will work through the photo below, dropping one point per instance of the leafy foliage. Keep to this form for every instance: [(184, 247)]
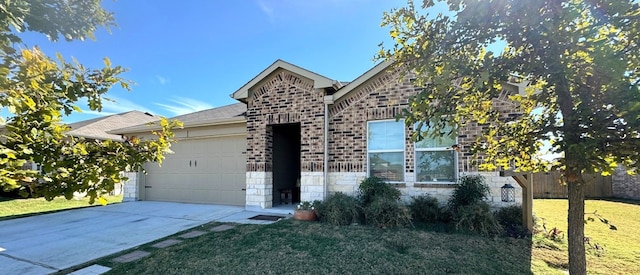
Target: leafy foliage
[(339, 209), (380, 204), (510, 218), (39, 91), (470, 189), (553, 234), (477, 218), (602, 219), (427, 209), (373, 188), (575, 64), (386, 212)]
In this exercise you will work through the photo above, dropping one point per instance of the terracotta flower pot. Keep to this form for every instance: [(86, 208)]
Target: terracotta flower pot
[(305, 215)]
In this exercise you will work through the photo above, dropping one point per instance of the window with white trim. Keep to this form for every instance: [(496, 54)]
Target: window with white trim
[(436, 159), (385, 149)]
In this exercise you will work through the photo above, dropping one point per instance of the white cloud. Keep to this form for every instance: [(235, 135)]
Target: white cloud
[(182, 105), (266, 9), (162, 80)]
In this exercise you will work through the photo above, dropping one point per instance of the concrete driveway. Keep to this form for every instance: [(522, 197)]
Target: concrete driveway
[(48, 243)]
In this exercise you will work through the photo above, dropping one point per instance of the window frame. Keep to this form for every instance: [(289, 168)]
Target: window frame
[(403, 149), (416, 150)]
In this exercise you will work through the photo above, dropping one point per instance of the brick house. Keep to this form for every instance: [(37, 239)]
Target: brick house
[(300, 136)]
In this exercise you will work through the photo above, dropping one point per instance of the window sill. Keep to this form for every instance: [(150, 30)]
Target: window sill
[(435, 185)]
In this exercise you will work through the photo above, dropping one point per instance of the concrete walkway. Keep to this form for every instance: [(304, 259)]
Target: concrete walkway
[(48, 243)]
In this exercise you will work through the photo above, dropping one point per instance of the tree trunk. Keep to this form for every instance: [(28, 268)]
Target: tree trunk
[(577, 257)]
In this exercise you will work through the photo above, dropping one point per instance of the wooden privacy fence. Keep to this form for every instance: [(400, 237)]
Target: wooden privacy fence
[(547, 186)]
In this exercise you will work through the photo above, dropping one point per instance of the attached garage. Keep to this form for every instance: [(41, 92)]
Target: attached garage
[(201, 170), (208, 164)]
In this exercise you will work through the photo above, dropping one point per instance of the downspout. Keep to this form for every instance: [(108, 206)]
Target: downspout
[(327, 100)]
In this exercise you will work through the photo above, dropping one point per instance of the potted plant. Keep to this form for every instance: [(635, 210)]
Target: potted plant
[(305, 211)]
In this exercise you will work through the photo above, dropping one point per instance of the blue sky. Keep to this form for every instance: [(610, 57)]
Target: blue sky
[(189, 55)]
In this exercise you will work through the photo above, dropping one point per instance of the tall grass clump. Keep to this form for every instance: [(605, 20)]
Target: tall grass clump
[(339, 209), (470, 212), (380, 204), (426, 209), (374, 188)]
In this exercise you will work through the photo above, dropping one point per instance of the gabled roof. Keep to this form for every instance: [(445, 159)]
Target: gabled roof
[(229, 114), (99, 128), (319, 81), (361, 79), (350, 86)]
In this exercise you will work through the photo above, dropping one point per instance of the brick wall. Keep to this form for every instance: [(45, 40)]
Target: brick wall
[(384, 97), (285, 97), (281, 99)]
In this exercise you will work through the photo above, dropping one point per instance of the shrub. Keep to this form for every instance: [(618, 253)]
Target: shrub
[(338, 209), (476, 218), (373, 188), (553, 234), (509, 215), (510, 218), (387, 212), (426, 209), (469, 191)]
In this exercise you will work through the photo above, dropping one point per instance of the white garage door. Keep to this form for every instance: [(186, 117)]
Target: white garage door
[(209, 170)]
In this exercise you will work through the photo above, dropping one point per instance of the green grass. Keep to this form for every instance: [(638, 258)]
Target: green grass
[(295, 247), (621, 254), (17, 208)]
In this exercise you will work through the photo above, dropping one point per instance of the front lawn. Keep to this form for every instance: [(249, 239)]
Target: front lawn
[(295, 247), (17, 208)]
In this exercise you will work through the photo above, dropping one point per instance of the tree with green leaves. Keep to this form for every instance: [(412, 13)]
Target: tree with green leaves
[(38, 91), (579, 59)]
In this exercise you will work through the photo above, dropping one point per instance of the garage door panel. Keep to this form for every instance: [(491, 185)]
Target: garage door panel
[(218, 177)]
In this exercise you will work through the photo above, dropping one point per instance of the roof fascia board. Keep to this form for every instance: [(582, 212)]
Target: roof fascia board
[(319, 81)]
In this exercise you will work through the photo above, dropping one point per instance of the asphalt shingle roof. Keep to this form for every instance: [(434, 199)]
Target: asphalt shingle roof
[(97, 128), (228, 111)]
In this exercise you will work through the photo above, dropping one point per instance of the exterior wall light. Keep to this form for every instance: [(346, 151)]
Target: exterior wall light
[(508, 193)]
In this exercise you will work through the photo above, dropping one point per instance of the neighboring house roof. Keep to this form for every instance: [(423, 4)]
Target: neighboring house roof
[(319, 81), (227, 114), (236, 110), (98, 128)]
